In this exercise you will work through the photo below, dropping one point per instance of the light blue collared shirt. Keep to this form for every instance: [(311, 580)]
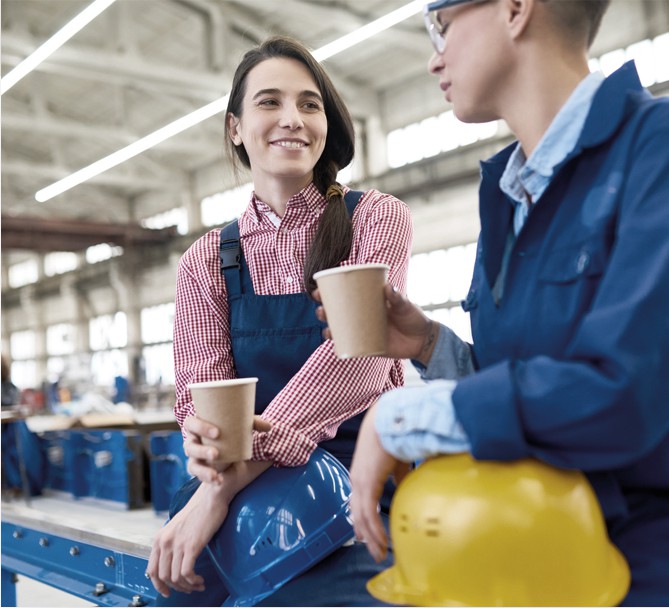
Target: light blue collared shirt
[(415, 423), (525, 180)]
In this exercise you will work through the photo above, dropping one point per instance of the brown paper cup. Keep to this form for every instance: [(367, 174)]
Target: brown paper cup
[(230, 405), (355, 305)]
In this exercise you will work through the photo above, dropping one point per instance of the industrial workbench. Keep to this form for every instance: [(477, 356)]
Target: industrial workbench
[(89, 550)]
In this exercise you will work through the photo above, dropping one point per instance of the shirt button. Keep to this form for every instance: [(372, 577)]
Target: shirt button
[(289, 279), (582, 262)]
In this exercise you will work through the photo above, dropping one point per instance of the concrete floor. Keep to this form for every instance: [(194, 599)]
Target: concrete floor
[(33, 594)]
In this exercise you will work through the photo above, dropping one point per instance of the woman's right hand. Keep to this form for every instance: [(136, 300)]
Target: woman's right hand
[(411, 333)]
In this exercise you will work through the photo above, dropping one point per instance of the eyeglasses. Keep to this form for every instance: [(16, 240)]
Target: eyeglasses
[(435, 29)]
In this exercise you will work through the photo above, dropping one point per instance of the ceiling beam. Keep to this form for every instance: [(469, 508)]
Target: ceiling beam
[(134, 182), (91, 64), (38, 234), (71, 129)]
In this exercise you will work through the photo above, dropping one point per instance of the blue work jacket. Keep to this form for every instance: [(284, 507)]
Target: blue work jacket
[(573, 359)]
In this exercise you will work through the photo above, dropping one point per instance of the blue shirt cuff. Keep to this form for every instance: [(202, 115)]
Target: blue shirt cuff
[(451, 359), (415, 423)]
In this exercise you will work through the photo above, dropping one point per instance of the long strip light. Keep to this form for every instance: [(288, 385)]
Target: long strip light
[(53, 43), (218, 105)]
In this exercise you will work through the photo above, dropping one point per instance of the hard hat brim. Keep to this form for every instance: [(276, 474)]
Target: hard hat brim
[(387, 586)]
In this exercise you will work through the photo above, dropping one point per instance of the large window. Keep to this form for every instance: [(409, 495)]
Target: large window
[(157, 328), (108, 336), (432, 136), (23, 350), (445, 132), (23, 273), (174, 217), (59, 262), (439, 281), (226, 206), (101, 252)]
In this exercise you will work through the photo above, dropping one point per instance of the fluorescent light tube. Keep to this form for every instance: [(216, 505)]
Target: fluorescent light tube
[(218, 105), (53, 44)]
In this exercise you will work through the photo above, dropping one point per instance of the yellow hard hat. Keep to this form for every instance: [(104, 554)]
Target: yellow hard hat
[(481, 533)]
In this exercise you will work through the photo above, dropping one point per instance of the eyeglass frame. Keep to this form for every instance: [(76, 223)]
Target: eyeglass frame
[(437, 36)]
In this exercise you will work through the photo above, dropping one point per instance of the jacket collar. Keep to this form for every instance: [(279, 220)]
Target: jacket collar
[(610, 106)]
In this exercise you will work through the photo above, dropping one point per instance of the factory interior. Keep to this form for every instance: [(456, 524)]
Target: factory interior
[(114, 163)]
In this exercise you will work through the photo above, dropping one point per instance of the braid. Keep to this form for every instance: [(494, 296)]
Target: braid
[(332, 243)]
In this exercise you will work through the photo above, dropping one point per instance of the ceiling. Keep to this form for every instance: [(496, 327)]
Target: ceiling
[(143, 63)]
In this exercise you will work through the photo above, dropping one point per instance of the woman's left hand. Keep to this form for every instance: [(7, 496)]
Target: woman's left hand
[(202, 459)]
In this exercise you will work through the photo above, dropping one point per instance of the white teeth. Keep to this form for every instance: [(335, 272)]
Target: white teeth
[(290, 144)]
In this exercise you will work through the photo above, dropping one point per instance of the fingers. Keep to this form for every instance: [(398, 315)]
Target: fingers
[(197, 451), (152, 572), (197, 428), (369, 527), (402, 469), (169, 569), (395, 299), (261, 425), (204, 471)]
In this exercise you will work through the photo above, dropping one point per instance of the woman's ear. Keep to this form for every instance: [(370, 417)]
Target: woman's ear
[(518, 15), (233, 129)]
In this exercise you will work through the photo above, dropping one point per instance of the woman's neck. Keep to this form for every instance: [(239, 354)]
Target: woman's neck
[(276, 193)]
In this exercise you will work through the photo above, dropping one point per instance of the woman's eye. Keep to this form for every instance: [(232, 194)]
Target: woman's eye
[(312, 105), (267, 102)]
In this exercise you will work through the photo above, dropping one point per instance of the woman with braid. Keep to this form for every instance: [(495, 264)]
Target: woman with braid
[(289, 126)]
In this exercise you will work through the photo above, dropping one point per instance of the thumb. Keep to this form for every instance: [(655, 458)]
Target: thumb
[(261, 425)]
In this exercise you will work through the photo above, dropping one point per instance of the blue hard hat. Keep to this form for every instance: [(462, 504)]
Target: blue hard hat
[(280, 525)]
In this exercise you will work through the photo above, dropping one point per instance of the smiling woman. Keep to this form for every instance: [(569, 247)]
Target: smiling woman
[(282, 127), (243, 310)]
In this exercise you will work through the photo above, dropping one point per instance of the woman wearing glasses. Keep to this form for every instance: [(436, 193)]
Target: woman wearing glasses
[(569, 296), (289, 126)]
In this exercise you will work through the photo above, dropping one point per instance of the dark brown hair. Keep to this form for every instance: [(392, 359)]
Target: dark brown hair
[(580, 18), (332, 243)]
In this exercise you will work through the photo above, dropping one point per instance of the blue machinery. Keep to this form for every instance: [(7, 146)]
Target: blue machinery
[(100, 568), (95, 550)]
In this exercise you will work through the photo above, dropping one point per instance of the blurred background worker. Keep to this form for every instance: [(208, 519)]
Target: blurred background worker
[(569, 295), (10, 392)]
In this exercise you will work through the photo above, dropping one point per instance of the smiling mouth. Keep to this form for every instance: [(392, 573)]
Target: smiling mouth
[(293, 145)]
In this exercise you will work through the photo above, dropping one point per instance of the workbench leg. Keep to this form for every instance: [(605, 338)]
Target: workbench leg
[(8, 588)]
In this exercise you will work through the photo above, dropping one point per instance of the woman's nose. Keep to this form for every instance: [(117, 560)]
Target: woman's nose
[(435, 63), (290, 117)]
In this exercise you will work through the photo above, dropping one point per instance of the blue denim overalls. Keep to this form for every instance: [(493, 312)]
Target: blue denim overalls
[(272, 336)]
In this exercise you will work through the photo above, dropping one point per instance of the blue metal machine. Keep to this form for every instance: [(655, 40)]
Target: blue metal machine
[(98, 567)]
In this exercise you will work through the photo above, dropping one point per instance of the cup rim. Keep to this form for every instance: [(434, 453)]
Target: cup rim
[(340, 269), (217, 383)]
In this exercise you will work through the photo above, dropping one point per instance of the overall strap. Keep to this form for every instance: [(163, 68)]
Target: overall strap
[(351, 199), (231, 257), (231, 251)]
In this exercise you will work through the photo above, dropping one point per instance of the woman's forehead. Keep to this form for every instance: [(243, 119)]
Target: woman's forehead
[(281, 72)]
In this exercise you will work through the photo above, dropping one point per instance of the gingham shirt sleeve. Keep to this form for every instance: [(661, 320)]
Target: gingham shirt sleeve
[(202, 350), (326, 391)]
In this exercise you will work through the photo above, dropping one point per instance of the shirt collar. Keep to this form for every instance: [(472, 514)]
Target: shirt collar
[(309, 197), (532, 176)]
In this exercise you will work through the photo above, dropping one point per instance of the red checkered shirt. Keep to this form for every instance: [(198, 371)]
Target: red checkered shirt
[(326, 390)]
